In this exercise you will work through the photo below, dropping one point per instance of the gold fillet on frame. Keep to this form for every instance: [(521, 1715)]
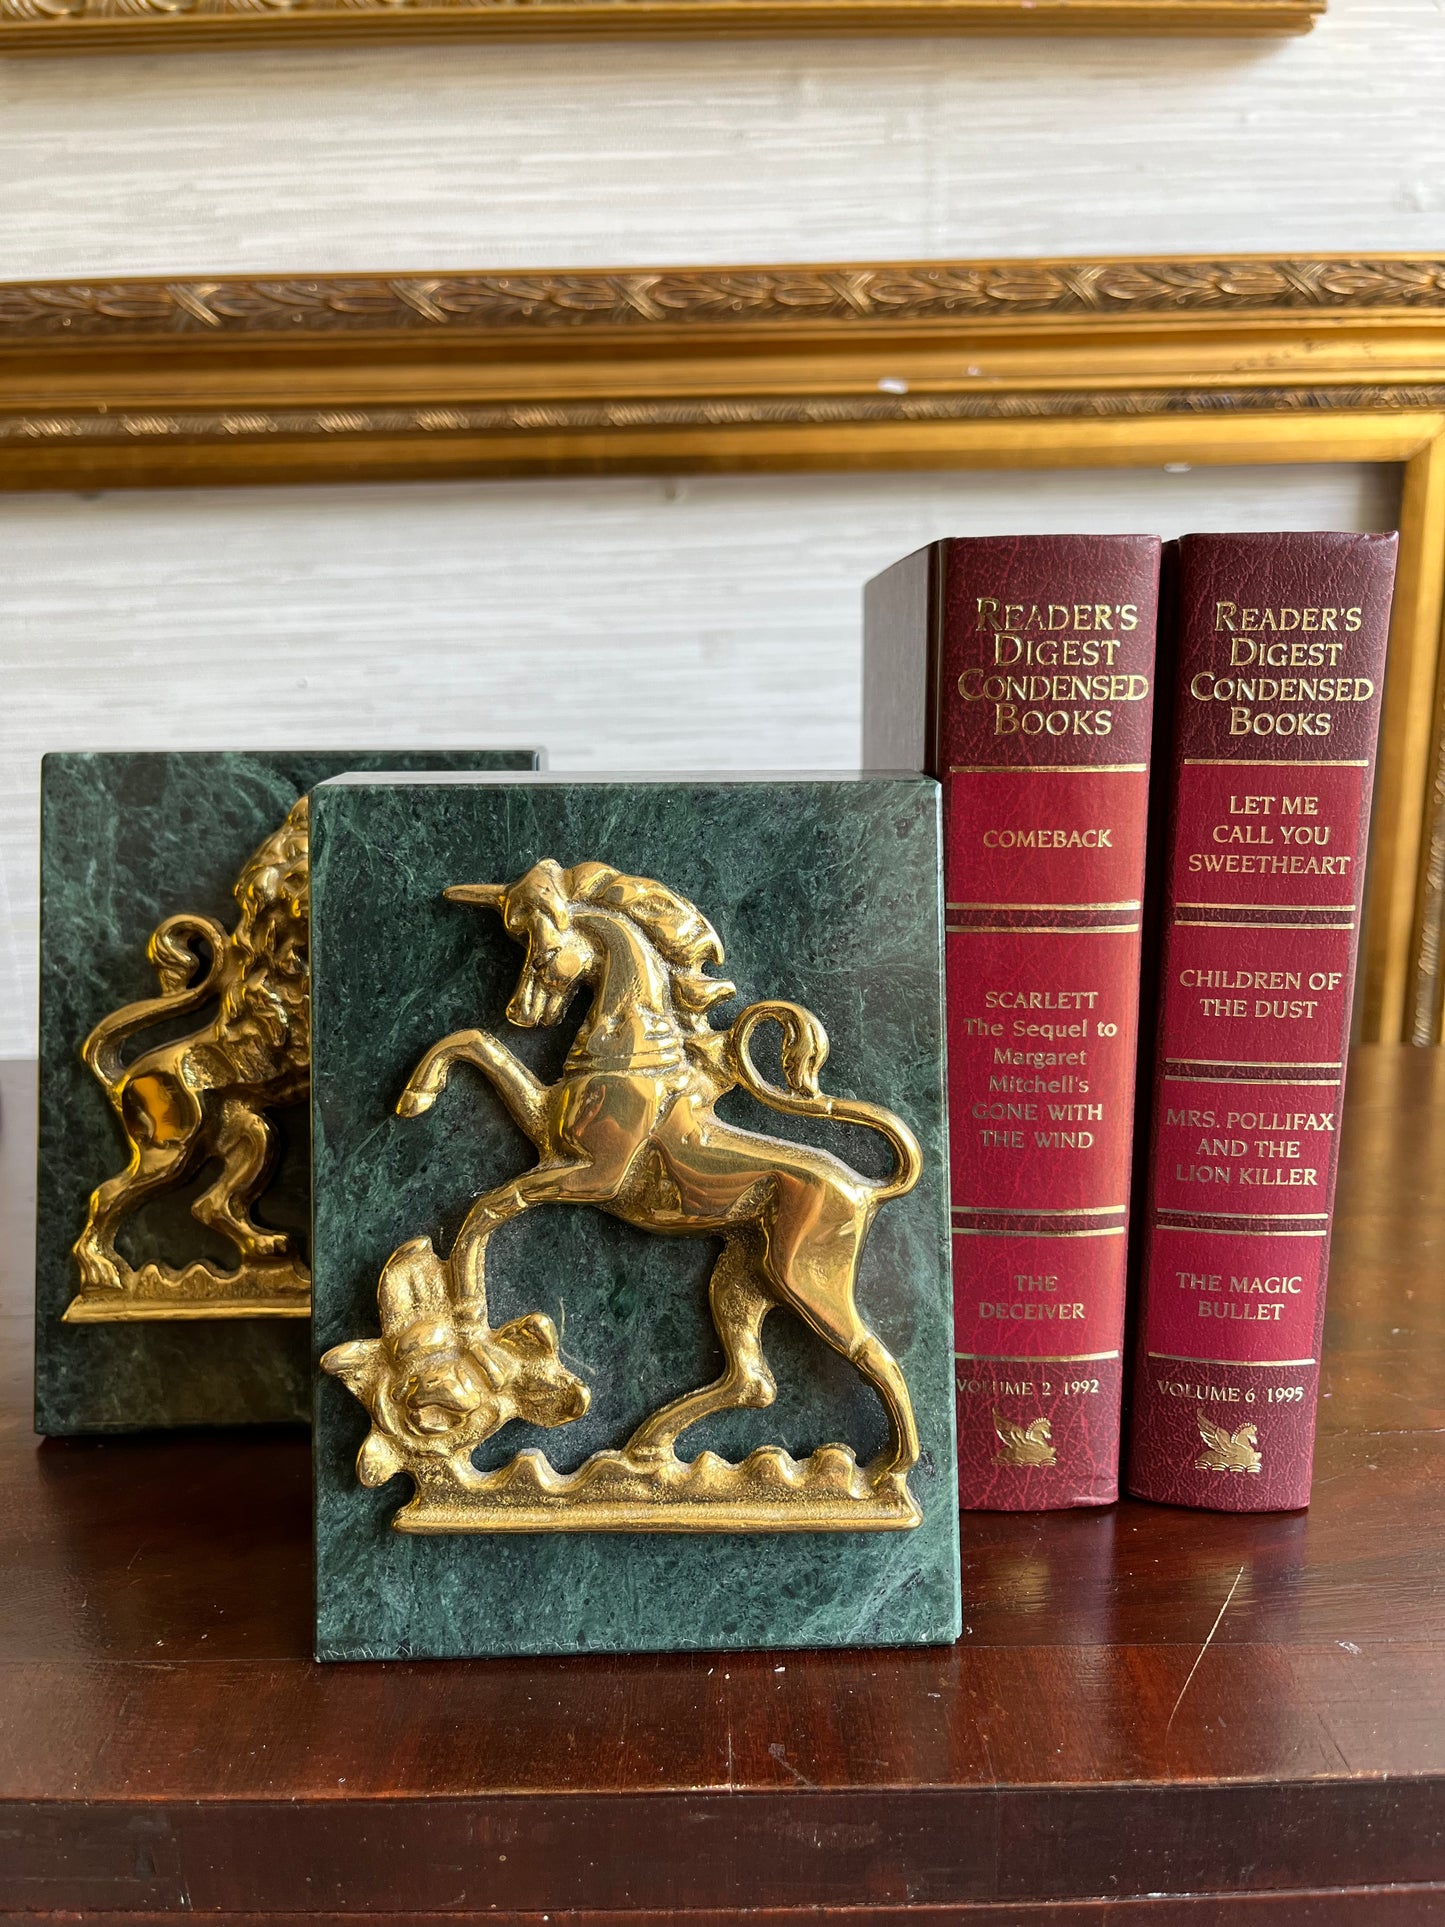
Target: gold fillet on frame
[(982, 364), (185, 26)]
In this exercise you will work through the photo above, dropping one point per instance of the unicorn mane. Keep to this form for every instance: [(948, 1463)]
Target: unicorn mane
[(677, 930)]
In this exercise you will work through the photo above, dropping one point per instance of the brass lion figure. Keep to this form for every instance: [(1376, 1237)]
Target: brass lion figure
[(631, 1128), (206, 1096)]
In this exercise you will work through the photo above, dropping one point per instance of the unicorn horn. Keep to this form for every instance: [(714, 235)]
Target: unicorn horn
[(490, 894)]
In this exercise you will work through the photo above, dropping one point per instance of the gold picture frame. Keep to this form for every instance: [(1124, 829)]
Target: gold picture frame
[(985, 364), (194, 26)]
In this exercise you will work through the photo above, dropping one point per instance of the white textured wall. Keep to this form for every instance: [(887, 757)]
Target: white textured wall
[(633, 624), (709, 622), (647, 151)]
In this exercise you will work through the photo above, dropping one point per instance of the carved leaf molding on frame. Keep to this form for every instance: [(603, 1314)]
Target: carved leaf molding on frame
[(715, 297), (286, 378)]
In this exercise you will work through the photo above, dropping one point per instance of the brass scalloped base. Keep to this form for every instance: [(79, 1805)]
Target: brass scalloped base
[(155, 1292), (612, 1492)]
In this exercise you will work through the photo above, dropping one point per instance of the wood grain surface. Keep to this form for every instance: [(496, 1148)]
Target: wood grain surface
[(1152, 1712)]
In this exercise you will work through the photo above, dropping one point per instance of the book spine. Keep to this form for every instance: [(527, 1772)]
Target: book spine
[(1043, 681), (1281, 655)]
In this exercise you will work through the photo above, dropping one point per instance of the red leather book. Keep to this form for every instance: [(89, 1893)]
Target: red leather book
[(1020, 671), (1280, 659)]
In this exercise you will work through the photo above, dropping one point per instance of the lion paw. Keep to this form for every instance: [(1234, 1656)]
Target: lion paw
[(97, 1271)]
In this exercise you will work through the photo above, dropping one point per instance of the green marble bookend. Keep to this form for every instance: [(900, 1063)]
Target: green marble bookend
[(131, 845), (704, 1398)]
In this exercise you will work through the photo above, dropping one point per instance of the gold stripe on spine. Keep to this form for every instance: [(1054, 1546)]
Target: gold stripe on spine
[(1259, 1083), (1218, 923), (1048, 769), (1181, 904), (1132, 903), (1248, 1217), (1108, 1231), (1039, 1358), (1267, 762), (1244, 1364), (1043, 929), (1259, 1064), (1233, 1231), (1044, 1210)]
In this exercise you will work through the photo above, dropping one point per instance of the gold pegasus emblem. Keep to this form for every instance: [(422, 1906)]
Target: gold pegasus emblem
[(1024, 1444), (1236, 1451), (631, 1128), (203, 1099)]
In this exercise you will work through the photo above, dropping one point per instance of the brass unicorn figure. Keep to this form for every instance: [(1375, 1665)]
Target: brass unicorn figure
[(631, 1128)]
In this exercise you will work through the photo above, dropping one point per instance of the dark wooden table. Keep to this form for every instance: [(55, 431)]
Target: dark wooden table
[(1106, 1745)]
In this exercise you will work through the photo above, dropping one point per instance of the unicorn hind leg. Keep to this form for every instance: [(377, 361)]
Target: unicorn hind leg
[(815, 1235), (878, 1365), (740, 1301)]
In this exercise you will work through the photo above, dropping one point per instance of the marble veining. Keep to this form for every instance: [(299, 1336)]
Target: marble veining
[(825, 892), (126, 839)]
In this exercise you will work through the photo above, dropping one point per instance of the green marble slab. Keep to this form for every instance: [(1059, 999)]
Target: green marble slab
[(127, 839), (825, 892)]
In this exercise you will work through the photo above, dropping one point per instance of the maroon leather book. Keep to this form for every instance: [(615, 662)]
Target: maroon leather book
[(1280, 656), (1020, 671)]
